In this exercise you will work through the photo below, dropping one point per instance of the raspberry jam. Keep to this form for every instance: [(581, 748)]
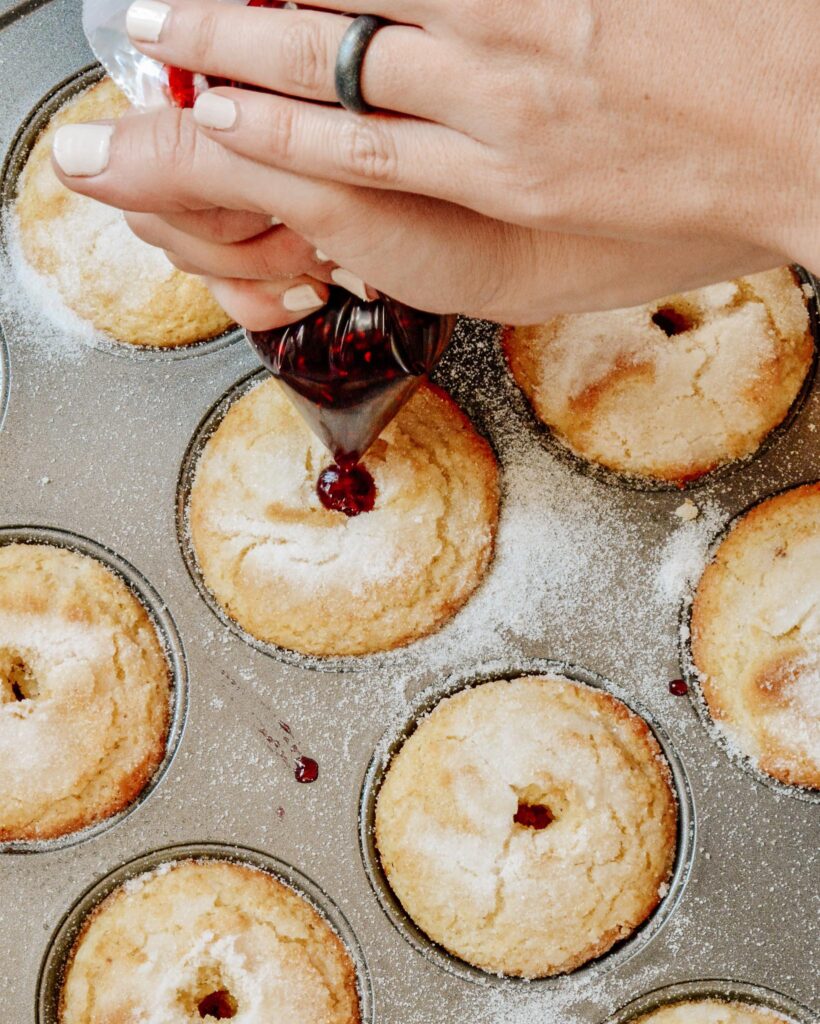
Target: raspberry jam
[(306, 770), (219, 1005), (678, 688), (184, 86), (534, 816), (350, 366), (348, 488)]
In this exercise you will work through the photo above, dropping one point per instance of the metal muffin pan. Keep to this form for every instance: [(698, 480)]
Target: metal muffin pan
[(66, 933), (168, 636), (94, 445), (719, 989)]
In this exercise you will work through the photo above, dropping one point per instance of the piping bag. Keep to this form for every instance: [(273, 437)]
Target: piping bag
[(349, 367)]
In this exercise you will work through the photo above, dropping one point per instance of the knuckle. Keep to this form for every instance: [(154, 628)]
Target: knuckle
[(304, 57), (203, 37), (367, 151), (281, 130), (175, 142)]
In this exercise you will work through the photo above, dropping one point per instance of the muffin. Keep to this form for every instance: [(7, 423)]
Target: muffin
[(527, 826), (673, 389), (208, 940), (86, 254), (84, 693), (755, 636), (710, 1011), (293, 573)]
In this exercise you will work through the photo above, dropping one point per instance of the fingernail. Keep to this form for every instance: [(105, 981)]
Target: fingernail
[(82, 150), (145, 20), (322, 257), (275, 222), (301, 298), (214, 111), (347, 280)]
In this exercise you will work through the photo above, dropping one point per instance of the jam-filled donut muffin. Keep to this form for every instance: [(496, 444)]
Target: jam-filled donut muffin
[(208, 940), (85, 252), (756, 636), (293, 573), (710, 1011), (673, 389), (526, 826), (84, 693)]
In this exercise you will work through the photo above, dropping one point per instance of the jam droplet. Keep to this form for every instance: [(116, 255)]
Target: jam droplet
[(307, 770), (348, 489), (219, 1005), (535, 816), (678, 688)]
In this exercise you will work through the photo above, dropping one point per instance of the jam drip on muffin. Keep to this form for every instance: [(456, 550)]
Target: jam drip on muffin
[(348, 369)]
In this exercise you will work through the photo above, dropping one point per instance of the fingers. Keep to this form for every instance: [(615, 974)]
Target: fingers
[(265, 305), (327, 142), (218, 225), (276, 254), (291, 51)]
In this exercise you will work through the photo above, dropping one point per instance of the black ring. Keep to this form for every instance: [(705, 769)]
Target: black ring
[(350, 60)]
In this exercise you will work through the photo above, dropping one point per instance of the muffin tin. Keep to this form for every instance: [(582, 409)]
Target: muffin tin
[(94, 443)]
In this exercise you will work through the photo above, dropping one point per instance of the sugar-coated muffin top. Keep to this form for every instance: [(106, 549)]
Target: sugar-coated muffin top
[(671, 389), (84, 693), (195, 935), (528, 825), (292, 573), (756, 635)]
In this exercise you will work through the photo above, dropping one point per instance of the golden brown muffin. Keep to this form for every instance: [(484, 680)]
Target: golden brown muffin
[(710, 1011), (756, 636), (527, 826), (208, 940), (84, 693), (292, 573), (670, 390), (86, 252)]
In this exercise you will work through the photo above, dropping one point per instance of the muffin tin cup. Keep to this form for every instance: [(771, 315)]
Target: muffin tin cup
[(52, 971), (691, 675), (322, 663), (714, 988), (174, 653), (392, 742), (565, 454), (13, 165)]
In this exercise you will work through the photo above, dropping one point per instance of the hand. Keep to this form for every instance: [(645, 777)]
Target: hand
[(653, 120), (211, 209)]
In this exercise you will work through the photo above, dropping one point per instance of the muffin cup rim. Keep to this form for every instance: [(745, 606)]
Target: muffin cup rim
[(723, 989), (173, 651), (61, 943), (691, 673), (405, 724)]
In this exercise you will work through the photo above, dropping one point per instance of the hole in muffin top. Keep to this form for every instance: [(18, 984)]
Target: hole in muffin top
[(219, 1005), (534, 816), (672, 321), (17, 680)]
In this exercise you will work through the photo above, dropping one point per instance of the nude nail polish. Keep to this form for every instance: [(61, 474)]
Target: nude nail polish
[(345, 279), (301, 298), (214, 111), (82, 150), (146, 19)]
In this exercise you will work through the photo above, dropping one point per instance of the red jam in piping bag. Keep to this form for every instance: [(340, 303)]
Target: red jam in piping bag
[(184, 86), (348, 368)]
